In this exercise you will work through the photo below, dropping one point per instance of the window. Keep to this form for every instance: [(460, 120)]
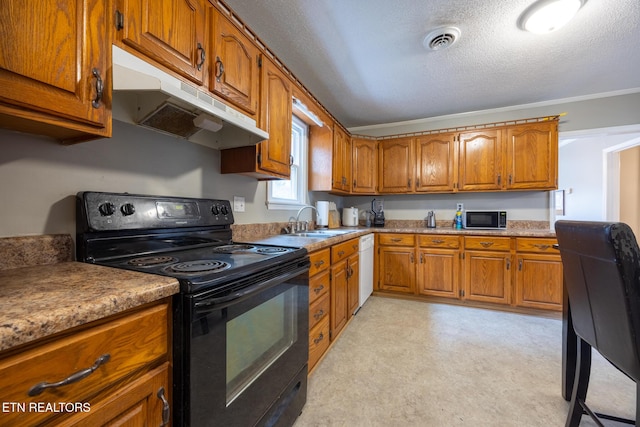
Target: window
[(291, 194)]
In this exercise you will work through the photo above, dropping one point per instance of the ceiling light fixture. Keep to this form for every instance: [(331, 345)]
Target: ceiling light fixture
[(545, 16)]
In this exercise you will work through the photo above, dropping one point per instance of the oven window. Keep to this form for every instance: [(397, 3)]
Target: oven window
[(257, 338)]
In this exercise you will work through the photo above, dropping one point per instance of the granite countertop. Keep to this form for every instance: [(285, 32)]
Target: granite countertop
[(316, 243), (42, 300)]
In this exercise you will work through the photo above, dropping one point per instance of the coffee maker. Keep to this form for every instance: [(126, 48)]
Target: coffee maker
[(378, 212)]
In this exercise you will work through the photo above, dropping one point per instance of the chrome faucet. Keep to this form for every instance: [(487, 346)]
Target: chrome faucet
[(306, 222)]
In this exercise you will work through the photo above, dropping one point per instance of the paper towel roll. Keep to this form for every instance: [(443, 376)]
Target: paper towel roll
[(323, 213)]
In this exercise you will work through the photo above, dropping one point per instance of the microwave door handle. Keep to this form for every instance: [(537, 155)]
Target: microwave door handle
[(210, 304)]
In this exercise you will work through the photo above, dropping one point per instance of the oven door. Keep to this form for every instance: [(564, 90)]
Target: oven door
[(245, 353)]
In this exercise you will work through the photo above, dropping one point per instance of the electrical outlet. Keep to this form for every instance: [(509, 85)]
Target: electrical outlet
[(238, 204), (459, 207)]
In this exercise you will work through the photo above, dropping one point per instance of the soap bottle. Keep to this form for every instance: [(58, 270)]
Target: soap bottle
[(458, 219)]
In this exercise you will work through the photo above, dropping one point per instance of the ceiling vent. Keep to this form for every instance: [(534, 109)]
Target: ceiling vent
[(441, 38)]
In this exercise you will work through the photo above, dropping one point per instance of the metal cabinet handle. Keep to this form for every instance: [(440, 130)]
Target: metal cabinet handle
[(437, 241), (499, 179), (318, 314), (318, 263), (320, 338), (219, 68), (486, 244), (95, 103), (541, 246), (203, 56), (340, 253), (421, 259), (508, 263), (166, 409), (73, 378), (520, 265), (396, 239), (318, 289)]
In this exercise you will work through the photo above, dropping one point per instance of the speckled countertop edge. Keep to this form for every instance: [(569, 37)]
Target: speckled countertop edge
[(39, 301)]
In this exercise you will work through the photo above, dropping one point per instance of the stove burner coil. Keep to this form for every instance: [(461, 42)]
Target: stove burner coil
[(230, 249), (200, 266), (275, 250), (150, 261)]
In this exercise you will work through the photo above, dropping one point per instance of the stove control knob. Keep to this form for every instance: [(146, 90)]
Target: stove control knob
[(127, 209), (107, 209), (224, 210), (215, 210)]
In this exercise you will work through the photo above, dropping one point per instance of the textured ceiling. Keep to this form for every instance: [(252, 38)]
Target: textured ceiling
[(364, 59)]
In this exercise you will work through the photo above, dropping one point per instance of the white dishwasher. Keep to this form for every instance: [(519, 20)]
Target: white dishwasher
[(366, 268)]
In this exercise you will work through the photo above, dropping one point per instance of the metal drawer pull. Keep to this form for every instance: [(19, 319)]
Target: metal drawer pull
[(320, 338), (95, 103), (317, 264), (437, 241), (486, 244), (541, 246), (318, 314), (396, 239), (340, 253), (73, 378), (318, 289), (166, 409)]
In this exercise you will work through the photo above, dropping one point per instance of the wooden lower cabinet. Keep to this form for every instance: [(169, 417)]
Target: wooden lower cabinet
[(538, 275), (438, 271), (514, 271), (319, 304), (344, 284), (396, 263), (131, 354)]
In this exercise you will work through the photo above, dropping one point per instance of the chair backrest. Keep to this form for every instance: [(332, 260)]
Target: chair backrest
[(601, 264)]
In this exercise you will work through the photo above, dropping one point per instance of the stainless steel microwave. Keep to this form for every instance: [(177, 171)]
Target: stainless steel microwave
[(484, 219)]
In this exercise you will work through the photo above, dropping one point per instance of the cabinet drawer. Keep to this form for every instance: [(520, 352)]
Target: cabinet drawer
[(319, 285), (320, 260), (132, 342), (438, 241), (318, 341), (488, 242), (397, 239), (343, 250), (536, 245), (319, 310)]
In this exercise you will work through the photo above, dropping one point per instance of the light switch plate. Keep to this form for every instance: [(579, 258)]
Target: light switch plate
[(238, 204)]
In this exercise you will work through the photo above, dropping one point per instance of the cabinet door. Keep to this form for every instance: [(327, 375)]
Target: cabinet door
[(436, 162), (170, 32), (274, 154), (438, 272), (487, 276), (395, 174), (341, 170), (353, 286), (539, 281), (480, 160), (339, 304), (53, 68), (137, 404), (532, 156), (234, 71), (365, 166), (397, 269)]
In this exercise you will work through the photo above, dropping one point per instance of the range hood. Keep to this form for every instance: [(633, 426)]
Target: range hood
[(147, 96)]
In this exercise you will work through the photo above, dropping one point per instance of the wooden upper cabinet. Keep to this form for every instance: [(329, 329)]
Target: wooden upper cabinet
[(341, 169), (55, 68), (274, 154), (532, 156), (480, 164), (170, 32), (365, 165), (396, 159), (233, 69), (436, 162)]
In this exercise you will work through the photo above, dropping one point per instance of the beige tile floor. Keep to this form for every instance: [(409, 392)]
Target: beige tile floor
[(409, 363)]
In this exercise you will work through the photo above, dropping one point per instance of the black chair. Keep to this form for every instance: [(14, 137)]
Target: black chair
[(601, 263)]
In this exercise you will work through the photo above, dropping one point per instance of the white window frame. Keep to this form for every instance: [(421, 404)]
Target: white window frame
[(299, 135)]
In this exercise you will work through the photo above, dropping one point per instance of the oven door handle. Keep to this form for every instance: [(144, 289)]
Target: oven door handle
[(209, 304)]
